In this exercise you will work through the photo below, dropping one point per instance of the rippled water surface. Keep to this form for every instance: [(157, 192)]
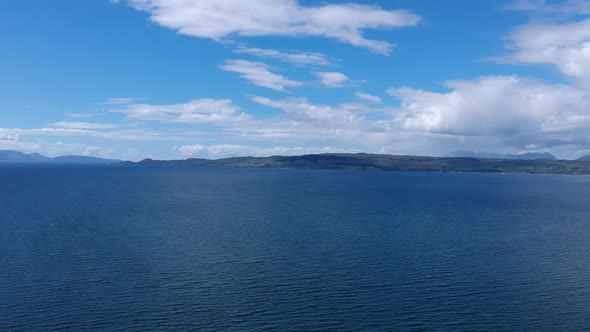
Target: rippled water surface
[(115, 248)]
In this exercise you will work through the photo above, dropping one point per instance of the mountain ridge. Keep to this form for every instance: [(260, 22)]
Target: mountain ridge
[(365, 161), (519, 156), (341, 161), (10, 156)]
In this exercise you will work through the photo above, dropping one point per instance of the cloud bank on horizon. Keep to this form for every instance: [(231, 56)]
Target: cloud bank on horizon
[(267, 77)]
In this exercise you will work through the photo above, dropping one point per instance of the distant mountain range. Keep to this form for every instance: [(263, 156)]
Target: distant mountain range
[(362, 161), (525, 163), (523, 156), (7, 156)]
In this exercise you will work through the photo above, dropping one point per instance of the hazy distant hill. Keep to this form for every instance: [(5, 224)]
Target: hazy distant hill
[(523, 156), (83, 160), (15, 156), (363, 161), (584, 158), (8, 156)]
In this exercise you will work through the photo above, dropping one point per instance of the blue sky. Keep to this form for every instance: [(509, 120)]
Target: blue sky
[(217, 78)]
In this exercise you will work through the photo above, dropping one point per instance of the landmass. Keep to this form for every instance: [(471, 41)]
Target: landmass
[(525, 163), (488, 155), (9, 156), (364, 161)]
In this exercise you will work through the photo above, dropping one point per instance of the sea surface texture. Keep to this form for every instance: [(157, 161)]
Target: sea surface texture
[(151, 249)]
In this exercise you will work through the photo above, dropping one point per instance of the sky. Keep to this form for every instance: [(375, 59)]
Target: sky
[(172, 79)]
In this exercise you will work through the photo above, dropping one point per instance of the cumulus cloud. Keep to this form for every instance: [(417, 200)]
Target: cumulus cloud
[(198, 111), (217, 19), (517, 114), (231, 150), (258, 73), (332, 79), (566, 46), (297, 58), (513, 111), (369, 97)]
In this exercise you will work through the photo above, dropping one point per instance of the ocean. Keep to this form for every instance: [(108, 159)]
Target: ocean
[(161, 248)]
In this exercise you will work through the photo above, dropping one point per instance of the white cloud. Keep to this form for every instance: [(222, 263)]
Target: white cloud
[(300, 109), (258, 73), (83, 125), (120, 101), (297, 58), (7, 136), (303, 122), (568, 7), (512, 111), (516, 112), (566, 46), (232, 150), (332, 79), (198, 111), (134, 135), (369, 97), (217, 19), (79, 115)]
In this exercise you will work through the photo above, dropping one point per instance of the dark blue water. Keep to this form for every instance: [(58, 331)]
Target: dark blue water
[(114, 248)]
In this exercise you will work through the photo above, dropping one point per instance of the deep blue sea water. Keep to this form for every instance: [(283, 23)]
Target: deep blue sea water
[(117, 248)]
